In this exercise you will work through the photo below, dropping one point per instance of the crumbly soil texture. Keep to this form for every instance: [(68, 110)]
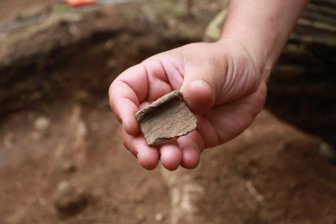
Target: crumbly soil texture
[(61, 155)]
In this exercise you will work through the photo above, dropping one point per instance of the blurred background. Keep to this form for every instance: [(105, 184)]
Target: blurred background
[(61, 157)]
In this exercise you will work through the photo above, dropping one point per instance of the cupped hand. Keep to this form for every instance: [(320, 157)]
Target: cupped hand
[(219, 81)]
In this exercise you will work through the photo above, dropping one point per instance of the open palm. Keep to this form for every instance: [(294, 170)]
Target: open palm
[(219, 82)]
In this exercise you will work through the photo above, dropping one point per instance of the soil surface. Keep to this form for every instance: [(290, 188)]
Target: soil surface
[(16, 9), (62, 160)]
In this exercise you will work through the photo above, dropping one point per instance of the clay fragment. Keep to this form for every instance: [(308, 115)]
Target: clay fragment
[(166, 118)]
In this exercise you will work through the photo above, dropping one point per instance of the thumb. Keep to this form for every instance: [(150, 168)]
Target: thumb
[(198, 94)]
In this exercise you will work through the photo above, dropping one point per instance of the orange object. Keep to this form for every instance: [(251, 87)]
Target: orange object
[(78, 3)]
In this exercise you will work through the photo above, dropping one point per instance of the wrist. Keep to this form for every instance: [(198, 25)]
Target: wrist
[(262, 27), (237, 47), (259, 53)]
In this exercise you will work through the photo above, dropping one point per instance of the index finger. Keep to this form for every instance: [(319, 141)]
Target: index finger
[(125, 94)]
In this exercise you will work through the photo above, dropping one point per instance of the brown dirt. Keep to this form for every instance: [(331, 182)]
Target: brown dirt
[(85, 140), (18, 9), (59, 129), (272, 173)]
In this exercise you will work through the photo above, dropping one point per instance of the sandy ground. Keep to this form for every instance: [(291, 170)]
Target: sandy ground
[(270, 174)]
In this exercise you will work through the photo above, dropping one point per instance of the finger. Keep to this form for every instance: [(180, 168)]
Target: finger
[(191, 145), (144, 82), (232, 119), (198, 95), (148, 157), (127, 140), (158, 81), (126, 93), (143, 105), (171, 156), (207, 131)]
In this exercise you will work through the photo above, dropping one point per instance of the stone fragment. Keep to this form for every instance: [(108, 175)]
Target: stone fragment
[(68, 199), (159, 217), (166, 118), (41, 123)]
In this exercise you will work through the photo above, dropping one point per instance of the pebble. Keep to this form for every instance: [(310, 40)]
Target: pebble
[(68, 199), (41, 123), (158, 217), (68, 167)]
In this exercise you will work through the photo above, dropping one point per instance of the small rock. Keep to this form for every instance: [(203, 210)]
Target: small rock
[(158, 217), (68, 199), (109, 44), (68, 167), (41, 123)]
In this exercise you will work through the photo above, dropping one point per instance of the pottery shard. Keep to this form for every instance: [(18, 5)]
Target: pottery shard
[(166, 118)]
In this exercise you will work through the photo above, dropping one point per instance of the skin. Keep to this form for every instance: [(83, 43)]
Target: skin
[(224, 83)]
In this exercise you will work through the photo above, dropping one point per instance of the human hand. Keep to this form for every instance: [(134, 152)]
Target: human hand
[(221, 84)]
